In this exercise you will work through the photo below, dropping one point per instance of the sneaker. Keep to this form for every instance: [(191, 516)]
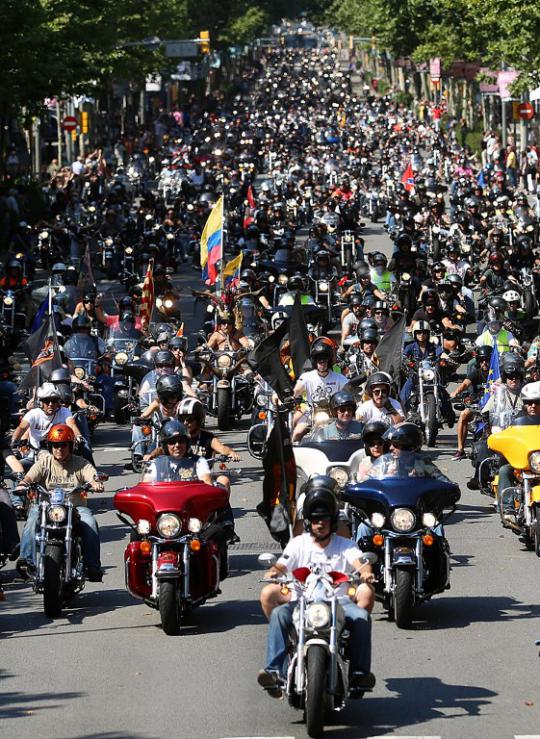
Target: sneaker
[(460, 454), (272, 682), (361, 681), (473, 484)]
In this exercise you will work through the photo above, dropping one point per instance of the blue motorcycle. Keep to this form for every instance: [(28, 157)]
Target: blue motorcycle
[(399, 517)]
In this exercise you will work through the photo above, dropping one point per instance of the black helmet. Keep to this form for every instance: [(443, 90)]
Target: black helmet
[(61, 375), (248, 275), (369, 334), (126, 316), (296, 282), (498, 303), (403, 240), (126, 303), (164, 358), (438, 267), (378, 378), (320, 500), (340, 399), (81, 321), (373, 431), (14, 264), (179, 342), (366, 323), (430, 296), (407, 436), (381, 305), (511, 364), (355, 299), (171, 429), (484, 352), (169, 388), (322, 348), (362, 269), (89, 298), (455, 280)]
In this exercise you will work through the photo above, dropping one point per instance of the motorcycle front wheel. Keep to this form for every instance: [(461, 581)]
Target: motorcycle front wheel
[(432, 426), (169, 607), (315, 690), (52, 581), (403, 597), (223, 409)]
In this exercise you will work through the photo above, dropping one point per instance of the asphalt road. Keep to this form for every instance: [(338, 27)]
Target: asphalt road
[(105, 669)]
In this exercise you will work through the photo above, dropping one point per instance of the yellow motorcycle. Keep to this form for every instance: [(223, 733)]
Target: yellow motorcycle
[(519, 505)]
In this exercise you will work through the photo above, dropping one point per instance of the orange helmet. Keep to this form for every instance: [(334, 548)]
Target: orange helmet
[(61, 432)]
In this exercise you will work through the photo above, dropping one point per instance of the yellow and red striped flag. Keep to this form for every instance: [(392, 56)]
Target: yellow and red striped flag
[(147, 297)]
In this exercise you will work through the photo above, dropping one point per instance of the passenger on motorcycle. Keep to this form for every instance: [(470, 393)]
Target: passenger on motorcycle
[(344, 426), (319, 546), (61, 468), (89, 308), (380, 406)]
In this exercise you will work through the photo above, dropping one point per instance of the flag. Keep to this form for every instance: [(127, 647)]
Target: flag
[(407, 178), (389, 352), (481, 179), (40, 315), (232, 269), (494, 375), (265, 360), (299, 339), (147, 297), (279, 483), (212, 243), (43, 353), (250, 198)]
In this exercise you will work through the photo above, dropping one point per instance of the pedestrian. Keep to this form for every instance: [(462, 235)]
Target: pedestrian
[(511, 166)]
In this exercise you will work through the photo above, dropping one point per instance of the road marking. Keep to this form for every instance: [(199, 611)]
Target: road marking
[(526, 736), (258, 737)]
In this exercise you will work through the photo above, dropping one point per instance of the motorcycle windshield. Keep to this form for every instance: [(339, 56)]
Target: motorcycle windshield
[(123, 337), (81, 346), (390, 465)]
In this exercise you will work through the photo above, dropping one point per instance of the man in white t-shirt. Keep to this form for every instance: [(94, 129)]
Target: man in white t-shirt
[(380, 406), (317, 384), (319, 546)]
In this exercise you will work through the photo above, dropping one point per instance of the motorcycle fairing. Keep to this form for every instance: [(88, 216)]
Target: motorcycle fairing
[(421, 494), (516, 443)]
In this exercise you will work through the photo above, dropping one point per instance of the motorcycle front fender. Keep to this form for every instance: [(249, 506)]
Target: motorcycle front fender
[(223, 384)]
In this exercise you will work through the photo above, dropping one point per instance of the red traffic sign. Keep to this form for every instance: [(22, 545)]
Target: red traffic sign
[(526, 111), (69, 123)]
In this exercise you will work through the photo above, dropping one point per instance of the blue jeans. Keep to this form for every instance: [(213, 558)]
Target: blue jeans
[(138, 436), (357, 620), (89, 533)]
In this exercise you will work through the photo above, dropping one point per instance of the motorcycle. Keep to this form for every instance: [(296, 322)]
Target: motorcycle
[(229, 392), (59, 570), (318, 669), (123, 343), (13, 320), (519, 505), (176, 558), (404, 524), (425, 405)]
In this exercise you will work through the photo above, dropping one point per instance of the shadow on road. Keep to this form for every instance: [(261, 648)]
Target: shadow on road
[(223, 616), (16, 704), (418, 700), (458, 613)]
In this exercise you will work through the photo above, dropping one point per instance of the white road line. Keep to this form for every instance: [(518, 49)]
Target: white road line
[(526, 736), (258, 737)]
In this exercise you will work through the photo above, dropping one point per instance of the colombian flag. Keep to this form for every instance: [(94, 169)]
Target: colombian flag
[(212, 242)]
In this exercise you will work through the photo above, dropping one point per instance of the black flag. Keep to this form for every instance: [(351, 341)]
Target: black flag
[(299, 339), (390, 349), (279, 482), (43, 352), (265, 360)]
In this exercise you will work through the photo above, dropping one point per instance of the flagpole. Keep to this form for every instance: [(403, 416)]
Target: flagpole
[(50, 296), (222, 266)]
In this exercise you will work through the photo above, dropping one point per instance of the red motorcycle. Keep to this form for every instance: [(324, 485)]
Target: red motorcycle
[(178, 550)]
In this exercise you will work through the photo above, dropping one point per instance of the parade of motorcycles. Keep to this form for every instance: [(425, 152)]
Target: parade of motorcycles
[(270, 413)]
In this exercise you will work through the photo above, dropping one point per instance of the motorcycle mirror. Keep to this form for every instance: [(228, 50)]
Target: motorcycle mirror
[(101, 477), (169, 271), (266, 560), (368, 558)]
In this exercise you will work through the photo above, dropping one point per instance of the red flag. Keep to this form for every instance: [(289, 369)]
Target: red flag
[(250, 198), (147, 298), (408, 178)]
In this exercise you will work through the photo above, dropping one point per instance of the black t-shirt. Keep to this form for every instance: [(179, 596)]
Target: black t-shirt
[(476, 377), (202, 445), (434, 319)]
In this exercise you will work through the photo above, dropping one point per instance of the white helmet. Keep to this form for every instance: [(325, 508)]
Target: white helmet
[(191, 406), (530, 391), (420, 326), (48, 390), (512, 296), (277, 319)]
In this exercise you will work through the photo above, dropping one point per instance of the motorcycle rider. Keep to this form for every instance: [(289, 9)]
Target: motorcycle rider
[(227, 337), (380, 276), (475, 379), (319, 382), (319, 545), (15, 281), (344, 426), (61, 468), (350, 320), (175, 463), (380, 406)]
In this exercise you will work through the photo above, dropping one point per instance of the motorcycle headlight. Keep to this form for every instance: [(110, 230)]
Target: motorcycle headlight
[(79, 373), (224, 361), (283, 279), (56, 513), (377, 519), (44, 235), (318, 615), (170, 237), (403, 519), (109, 242), (128, 250), (323, 287), (405, 277), (120, 358), (143, 527), (8, 300), (168, 303), (428, 374), (340, 475), (194, 525), (534, 461), (429, 520), (159, 302), (168, 525)]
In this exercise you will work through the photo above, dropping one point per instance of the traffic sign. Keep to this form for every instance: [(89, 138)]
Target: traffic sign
[(69, 123), (526, 111)]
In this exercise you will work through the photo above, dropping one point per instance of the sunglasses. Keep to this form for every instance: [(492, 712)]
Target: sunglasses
[(176, 440), (531, 402), (346, 409), (376, 442), (379, 312), (380, 391), (188, 419), (513, 377), (59, 444), (370, 341), (50, 401)]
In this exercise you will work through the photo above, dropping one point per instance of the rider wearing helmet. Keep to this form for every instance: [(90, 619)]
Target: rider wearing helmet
[(319, 383), (495, 276), (363, 286), (494, 331), (351, 318), (344, 426), (380, 406), (296, 284), (318, 545), (380, 276), (473, 385), (175, 463), (61, 468)]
